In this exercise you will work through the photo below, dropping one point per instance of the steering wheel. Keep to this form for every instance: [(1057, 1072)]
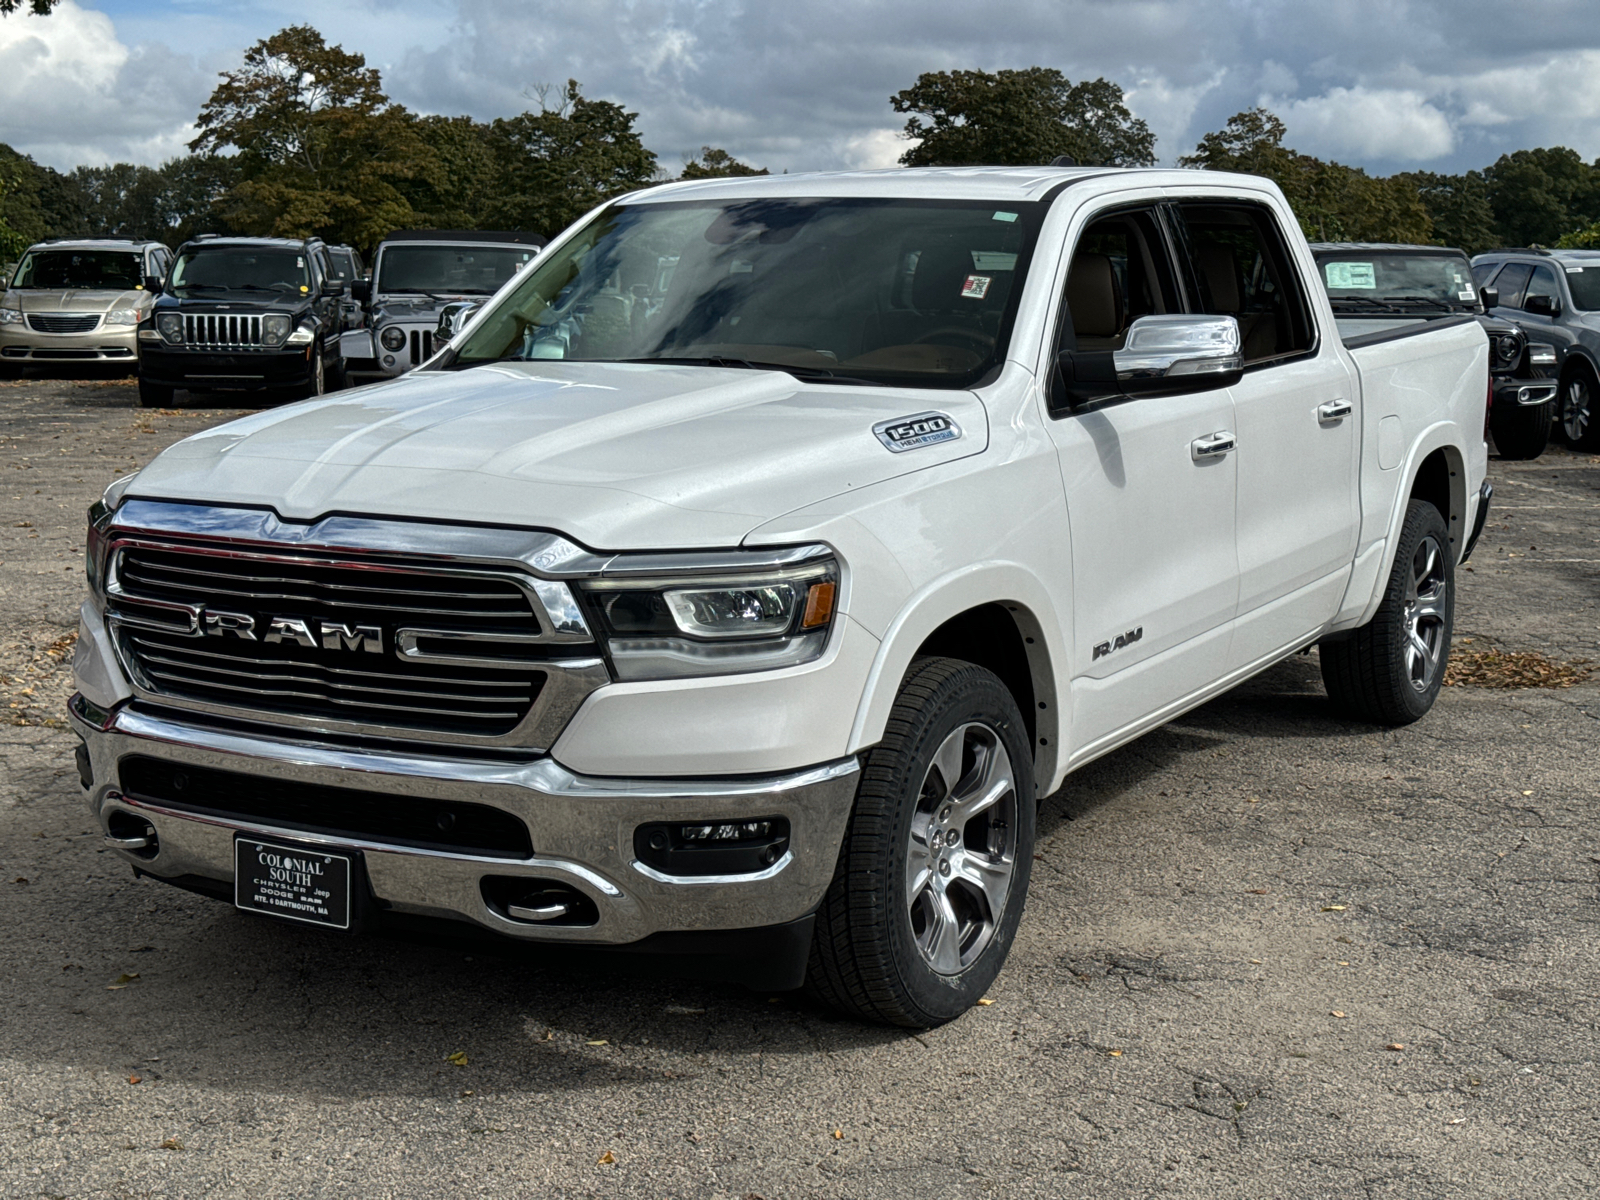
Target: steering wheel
[(979, 341)]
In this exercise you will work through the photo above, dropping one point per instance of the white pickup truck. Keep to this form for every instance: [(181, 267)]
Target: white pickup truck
[(742, 575)]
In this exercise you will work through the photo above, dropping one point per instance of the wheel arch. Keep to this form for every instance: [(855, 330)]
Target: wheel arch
[(1002, 620)]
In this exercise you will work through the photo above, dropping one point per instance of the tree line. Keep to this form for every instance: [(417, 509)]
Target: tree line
[(301, 139)]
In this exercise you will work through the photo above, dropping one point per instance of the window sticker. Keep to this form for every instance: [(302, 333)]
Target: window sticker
[(975, 288), (1574, 270), (1354, 276), (1466, 294), (1005, 216), (741, 266), (300, 263), (993, 260)]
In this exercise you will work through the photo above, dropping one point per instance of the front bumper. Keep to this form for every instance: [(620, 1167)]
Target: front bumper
[(1523, 393), (22, 346), (581, 828), (248, 370)]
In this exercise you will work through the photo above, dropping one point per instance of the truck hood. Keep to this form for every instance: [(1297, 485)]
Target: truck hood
[(615, 456), (79, 300)]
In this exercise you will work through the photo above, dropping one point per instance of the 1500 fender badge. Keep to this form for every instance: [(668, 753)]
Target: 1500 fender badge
[(919, 429), (1121, 640)]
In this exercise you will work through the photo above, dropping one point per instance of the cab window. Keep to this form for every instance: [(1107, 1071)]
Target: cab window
[(1543, 283), (1512, 284), (1120, 272), (1241, 268)]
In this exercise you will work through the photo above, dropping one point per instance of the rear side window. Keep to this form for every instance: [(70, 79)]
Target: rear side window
[(1242, 269), (1512, 284), (1584, 283)]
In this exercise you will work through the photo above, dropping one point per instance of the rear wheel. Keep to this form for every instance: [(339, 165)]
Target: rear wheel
[(934, 868), (1522, 432), (153, 395), (1390, 670), (1577, 417)]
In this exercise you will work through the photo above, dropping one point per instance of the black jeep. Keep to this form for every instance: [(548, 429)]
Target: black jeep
[(1374, 287), (244, 313)]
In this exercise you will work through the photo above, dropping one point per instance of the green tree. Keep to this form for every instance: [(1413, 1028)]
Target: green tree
[(321, 148), (558, 163), (1538, 195), (1333, 202), (12, 243), (1459, 209), (1021, 118), (39, 8), (458, 179), (717, 164)]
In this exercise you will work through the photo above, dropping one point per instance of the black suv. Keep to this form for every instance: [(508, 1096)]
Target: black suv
[(1375, 287), (246, 313)]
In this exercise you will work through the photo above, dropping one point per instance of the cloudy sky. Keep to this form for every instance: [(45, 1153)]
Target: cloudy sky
[(804, 84)]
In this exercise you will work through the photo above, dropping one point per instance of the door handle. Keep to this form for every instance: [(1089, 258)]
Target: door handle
[(1334, 410), (1214, 446)]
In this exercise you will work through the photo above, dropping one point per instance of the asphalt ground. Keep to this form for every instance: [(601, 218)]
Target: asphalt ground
[(1268, 953)]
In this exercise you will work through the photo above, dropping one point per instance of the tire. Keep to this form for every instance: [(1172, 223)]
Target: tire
[(1522, 433), (1390, 670), (316, 383), (1578, 409), (153, 395), (338, 379), (906, 934)]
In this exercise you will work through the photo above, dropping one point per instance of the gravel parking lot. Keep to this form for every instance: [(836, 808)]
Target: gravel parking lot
[(1268, 953)]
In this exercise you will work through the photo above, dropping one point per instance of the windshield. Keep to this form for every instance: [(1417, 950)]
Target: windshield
[(917, 292), (240, 268), (1412, 280), (457, 270), (108, 270), (1584, 284)]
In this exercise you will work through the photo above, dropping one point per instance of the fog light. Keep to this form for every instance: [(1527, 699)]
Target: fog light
[(388, 360), (699, 848)]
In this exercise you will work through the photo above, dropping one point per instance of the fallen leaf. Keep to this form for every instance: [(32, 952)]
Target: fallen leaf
[(459, 1058), (1255, 891), (1525, 793), (1456, 1121), (838, 1135), (172, 1144), (692, 1137), (1395, 1046), (1255, 962), (466, 1093), (134, 1079), (1337, 1013), (121, 981), (549, 1035), (985, 1002), (1114, 1053), (605, 1159), (1513, 669), (22, 879), (1334, 907), (1345, 940), (599, 1042)]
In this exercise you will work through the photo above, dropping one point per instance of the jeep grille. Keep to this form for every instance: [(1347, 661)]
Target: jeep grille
[(222, 331)]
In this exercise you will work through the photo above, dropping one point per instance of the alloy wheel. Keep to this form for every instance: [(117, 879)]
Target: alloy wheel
[(319, 382), (1424, 625), (963, 848), (1576, 409)]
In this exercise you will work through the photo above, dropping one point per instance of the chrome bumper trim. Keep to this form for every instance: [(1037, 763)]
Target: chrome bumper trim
[(582, 828)]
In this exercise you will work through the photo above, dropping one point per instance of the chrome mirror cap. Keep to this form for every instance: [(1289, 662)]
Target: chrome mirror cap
[(1180, 344)]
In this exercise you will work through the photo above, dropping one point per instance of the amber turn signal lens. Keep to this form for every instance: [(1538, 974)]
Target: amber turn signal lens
[(819, 605)]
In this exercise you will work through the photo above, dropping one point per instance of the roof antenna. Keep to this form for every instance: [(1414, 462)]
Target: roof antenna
[(1063, 160)]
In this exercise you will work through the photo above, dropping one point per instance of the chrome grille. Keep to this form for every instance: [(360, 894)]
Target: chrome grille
[(413, 675), (63, 322), (222, 331)]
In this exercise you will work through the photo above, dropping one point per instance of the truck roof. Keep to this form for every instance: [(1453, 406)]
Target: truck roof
[(506, 237), (1381, 247), (95, 244), (1016, 184)]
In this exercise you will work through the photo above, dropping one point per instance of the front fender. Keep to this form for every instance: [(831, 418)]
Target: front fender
[(1015, 588)]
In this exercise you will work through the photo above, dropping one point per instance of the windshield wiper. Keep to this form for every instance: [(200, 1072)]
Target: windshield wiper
[(809, 374)]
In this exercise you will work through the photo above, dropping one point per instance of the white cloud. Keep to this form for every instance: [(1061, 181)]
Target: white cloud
[(1367, 123), (1169, 109), (874, 149)]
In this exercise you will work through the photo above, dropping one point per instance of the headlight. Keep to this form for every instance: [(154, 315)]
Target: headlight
[(170, 326), (275, 329), (10, 316), (1541, 354), (393, 338), (716, 624), (123, 316), (303, 336)]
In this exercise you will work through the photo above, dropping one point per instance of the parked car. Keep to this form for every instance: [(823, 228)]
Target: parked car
[(1554, 296), (251, 314), (78, 301), (748, 608), (1374, 288), (414, 273), (346, 265)]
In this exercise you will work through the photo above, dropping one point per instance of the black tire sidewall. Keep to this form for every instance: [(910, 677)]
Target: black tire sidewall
[(1422, 519), (1522, 433), (972, 694), (1591, 434)]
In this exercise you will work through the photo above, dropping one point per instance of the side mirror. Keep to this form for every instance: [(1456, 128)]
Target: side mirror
[(335, 287), (1490, 297), (361, 289), (453, 318), (1161, 355), (1545, 306), (152, 283)]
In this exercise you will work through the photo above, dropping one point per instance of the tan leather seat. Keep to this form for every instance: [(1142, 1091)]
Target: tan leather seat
[(1258, 332), (1094, 298)]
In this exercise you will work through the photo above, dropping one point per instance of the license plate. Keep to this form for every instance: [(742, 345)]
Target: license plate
[(299, 883)]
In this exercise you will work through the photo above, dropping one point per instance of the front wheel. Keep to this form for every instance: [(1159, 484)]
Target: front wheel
[(1577, 417), (1522, 432), (153, 395), (1390, 670), (934, 868)]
